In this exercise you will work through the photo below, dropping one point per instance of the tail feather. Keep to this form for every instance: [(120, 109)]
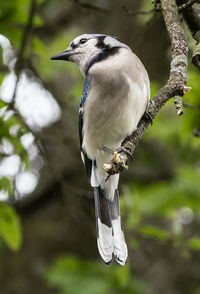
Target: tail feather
[(103, 226), (120, 248), (110, 237)]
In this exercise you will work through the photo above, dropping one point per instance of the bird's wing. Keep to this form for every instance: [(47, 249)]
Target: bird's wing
[(86, 160)]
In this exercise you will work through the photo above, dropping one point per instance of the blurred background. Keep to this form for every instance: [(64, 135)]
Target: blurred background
[(47, 223)]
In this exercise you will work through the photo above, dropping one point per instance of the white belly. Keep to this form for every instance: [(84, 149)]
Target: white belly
[(108, 120)]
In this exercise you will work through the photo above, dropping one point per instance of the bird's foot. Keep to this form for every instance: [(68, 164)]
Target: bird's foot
[(116, 165), (116, 153), (115, 160), (118, 162), (126, 150)]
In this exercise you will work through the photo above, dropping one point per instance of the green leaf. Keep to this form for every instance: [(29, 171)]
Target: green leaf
[(10, 229), (194, 243), (3, 104), (6, 185)]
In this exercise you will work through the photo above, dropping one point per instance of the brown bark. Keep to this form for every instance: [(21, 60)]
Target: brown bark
[(192, 18)]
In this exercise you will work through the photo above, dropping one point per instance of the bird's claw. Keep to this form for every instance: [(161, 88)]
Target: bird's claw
[(116, 157), (118, 160), (125, 150), (107, 166), (116, 165)]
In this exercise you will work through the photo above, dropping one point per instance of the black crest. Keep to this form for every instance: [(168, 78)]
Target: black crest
[(106, 51)]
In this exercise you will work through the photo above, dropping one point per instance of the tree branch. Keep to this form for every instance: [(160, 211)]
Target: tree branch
[(20, 59), (24, 41), (176, 85), (192, 18), (90, 6), (26, 35), (179, 104), (191, 106), (130, 12), (186, 5)]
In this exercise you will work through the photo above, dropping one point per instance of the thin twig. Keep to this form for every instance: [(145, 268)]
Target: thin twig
[(130, 12), (27, 32), (192, 17), (191, 106), (188, 4), (179, 104), (90, 6), (24, 41), (196, 132), (19, 64)]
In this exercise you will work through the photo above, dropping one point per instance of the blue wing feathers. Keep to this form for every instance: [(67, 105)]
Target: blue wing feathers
[(86, 89), (80, 124)]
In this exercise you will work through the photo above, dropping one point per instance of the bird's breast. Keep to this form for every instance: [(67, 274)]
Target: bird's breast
[(111, 113), (116, 102)]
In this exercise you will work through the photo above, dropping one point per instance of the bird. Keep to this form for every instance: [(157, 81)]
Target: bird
[(115, 97)]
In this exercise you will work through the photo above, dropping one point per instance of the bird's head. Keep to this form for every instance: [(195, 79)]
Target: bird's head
[(87, 49)]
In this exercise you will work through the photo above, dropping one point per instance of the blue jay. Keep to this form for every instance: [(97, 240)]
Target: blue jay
[(114, 98)]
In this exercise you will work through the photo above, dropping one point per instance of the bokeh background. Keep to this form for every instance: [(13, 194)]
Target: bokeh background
[(47, 223)]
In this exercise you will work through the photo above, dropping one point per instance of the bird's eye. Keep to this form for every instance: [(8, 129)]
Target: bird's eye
[(82, 41)]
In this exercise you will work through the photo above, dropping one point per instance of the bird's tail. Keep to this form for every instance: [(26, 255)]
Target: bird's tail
[(110, 237)]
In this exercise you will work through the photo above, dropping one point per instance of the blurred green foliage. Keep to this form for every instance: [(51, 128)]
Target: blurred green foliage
[(10, 231), (71, 275), (150, 210), (12, 125)]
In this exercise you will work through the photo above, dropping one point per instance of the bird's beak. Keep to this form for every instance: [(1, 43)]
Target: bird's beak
[(63, 55)]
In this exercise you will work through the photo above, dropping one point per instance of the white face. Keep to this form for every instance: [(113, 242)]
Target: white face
[(89, 48), (84, 48)]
